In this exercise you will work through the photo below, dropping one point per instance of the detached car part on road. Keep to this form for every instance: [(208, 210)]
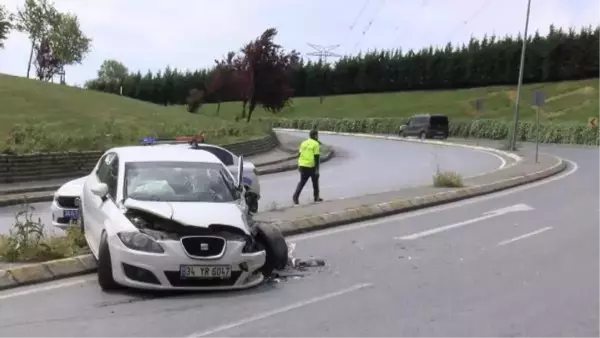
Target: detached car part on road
[(174, 218), (65, 204)]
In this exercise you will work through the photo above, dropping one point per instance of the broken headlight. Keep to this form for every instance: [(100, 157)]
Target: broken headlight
[(141, 242), (251, 246)]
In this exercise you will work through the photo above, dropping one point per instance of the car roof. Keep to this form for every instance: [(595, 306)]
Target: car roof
[(163, 154), (200, 146)]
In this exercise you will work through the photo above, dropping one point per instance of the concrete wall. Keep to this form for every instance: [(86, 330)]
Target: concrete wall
[(38, 167)]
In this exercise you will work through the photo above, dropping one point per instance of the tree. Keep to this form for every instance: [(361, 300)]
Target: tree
[(268, 72), (36, 19), (6, 24), (64, 45), (112, 71), (222, 82), (194, 100)]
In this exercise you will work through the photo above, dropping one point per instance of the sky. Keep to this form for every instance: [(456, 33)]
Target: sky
[(190, 34)]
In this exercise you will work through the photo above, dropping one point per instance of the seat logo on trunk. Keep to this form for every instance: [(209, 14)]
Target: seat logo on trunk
[(204, 246)]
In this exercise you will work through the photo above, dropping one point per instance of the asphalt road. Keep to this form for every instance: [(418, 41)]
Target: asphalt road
[(363, 166), (523, 262)]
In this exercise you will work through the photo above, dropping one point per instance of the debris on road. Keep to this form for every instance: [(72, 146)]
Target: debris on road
[(296, 268)]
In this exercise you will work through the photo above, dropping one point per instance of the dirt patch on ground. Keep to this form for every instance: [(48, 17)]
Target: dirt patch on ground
[(587, 90)]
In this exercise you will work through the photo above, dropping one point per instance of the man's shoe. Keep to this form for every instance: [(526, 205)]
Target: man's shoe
[(318, 199), (296, 201)]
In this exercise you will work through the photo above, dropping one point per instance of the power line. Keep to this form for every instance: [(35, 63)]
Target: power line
[(462, 24), (323, 52), (369, 24), (354, 22)]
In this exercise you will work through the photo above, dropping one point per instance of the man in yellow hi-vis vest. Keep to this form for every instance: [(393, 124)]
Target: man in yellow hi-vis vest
[(308, 165)]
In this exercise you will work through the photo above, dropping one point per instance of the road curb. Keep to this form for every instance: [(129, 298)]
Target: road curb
[(68, 267), (367, 212), (47, 194)]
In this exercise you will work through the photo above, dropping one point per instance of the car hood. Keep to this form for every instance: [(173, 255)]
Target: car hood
[(198, 214), (72, 188)]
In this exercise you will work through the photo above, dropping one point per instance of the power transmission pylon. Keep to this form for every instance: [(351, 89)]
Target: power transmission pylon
[(323, 52)]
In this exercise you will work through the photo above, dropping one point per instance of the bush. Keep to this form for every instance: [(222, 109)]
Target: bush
[(447, 180), (486, 129), (27, 241), (41, 137)]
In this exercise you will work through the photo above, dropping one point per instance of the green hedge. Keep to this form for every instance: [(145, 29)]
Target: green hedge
[(486, 129)]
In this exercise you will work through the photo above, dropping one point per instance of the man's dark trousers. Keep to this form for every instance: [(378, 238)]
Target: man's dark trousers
[(305, 174)]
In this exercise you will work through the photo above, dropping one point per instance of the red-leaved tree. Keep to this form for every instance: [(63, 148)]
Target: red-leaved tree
[(259, 75), (265, 73)]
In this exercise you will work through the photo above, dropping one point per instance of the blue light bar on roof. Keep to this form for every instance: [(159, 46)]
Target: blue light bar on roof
[(148, 140)]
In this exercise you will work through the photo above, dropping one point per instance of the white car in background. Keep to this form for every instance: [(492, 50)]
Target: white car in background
[(174, 218), (64, 206)]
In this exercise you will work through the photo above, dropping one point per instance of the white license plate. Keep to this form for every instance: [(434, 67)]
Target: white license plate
[(205, 271), (71, 213)]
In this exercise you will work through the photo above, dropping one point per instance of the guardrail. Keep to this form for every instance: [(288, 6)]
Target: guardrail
[(48, 166)]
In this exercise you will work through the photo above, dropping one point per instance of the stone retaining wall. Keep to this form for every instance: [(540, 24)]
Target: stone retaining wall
[(37, 167)]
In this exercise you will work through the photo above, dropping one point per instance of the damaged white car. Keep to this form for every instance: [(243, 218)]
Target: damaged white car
[(65, 203), (174, 218)]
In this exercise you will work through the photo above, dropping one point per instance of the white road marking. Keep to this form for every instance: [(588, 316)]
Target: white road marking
[(281, 310), (533, 233), (46, 288), (357, 226), (487, 215), (417, 213)]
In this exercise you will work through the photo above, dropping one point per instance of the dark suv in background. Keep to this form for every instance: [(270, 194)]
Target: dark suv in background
[(426, 126)]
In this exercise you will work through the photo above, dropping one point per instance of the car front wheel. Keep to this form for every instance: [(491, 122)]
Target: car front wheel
[(270, 238), (105, 275)]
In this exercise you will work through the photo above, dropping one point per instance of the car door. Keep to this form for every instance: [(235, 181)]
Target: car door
[(93, 203), (98, 209), (411, 128)]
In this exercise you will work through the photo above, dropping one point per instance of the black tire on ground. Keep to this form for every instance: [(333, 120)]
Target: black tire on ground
[(422, 135), (401, 134), (252, 202), (105, 275), (271, 239)]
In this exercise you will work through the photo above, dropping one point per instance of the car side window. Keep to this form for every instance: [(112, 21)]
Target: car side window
[(108, 172), (223, 155)]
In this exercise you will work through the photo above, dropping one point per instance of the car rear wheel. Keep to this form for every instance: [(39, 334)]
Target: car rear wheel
[(270, 238), (105, 275)]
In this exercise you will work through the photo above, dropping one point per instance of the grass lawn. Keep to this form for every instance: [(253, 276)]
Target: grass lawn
[(63, 110), (572, 101)]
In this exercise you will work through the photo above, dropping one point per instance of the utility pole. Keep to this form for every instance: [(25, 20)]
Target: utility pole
[(323, 52), (513, 141)]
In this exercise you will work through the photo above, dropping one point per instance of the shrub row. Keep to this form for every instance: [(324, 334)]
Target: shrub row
[(40, 137), (485, 129)]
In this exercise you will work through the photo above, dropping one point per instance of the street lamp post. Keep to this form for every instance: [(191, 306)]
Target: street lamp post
[(513, 143)]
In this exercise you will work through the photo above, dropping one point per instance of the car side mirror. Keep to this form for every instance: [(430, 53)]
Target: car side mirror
[(100, 190)]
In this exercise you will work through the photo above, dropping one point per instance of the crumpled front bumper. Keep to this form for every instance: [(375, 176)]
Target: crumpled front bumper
[(162, 271)]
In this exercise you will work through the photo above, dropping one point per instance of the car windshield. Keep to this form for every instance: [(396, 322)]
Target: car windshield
[(179, 182)]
